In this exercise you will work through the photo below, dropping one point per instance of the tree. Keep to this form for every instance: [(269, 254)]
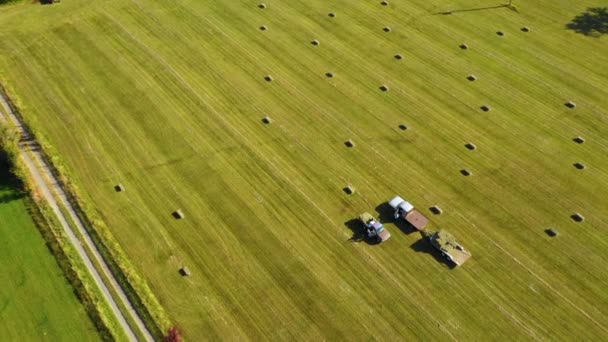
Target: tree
[(173, 335)]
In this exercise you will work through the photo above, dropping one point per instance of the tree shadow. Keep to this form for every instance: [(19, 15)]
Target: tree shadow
[(385, 214), (593, 22), (359, 234), (424, 246), (11, 188)]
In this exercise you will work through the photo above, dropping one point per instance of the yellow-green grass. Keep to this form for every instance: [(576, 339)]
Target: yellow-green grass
[(167, 97), (36, 301)]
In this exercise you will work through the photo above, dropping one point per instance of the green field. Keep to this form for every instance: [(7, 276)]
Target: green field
[(167, 98), (36, 302)]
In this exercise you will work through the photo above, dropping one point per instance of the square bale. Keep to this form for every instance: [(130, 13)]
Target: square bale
[(470, 146), (577, 217), (384, 3), (329, 74), (178, 214), (580, 166), (472, 78), (403, 127), (552, 232), (570, 104), (464, 46), (267, 120), (349, 143), (500, 33), (119, 188), (525, 29), (436, 210), (332, 14), (349, 189), (384, 88), (184, 271), (315, 42), (466, 172), (268, 78), (485, 108), (579, 140), (263, 28), (386, 29), (262, 6), (398, 56)]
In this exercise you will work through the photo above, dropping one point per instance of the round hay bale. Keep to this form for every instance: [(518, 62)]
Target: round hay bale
[(470, 146), (184, 271), (552, 232), (178, 214), (384, 88), (386, 29), (577, 217), (580, 166), (436, 210), (349, 189)]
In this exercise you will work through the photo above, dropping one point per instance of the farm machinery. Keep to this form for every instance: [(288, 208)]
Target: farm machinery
[(374, 229), (441, 240)]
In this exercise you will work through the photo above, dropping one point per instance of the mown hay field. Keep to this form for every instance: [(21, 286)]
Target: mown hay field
[(168, 98), (36, 301)]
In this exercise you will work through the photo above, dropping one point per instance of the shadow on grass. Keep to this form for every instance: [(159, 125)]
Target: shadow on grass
[(385, 214), (359, 234), (10, 186), (424, 246), (593, 23)]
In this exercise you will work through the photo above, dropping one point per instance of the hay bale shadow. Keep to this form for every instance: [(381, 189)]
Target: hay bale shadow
[(358, 232), (424, 246)]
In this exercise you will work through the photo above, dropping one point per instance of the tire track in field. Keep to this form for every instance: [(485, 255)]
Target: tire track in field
[(333, 118), (537, 276), (320, 109), (245, 141)]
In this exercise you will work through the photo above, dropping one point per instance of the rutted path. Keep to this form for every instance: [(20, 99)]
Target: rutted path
[(54, 194)]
